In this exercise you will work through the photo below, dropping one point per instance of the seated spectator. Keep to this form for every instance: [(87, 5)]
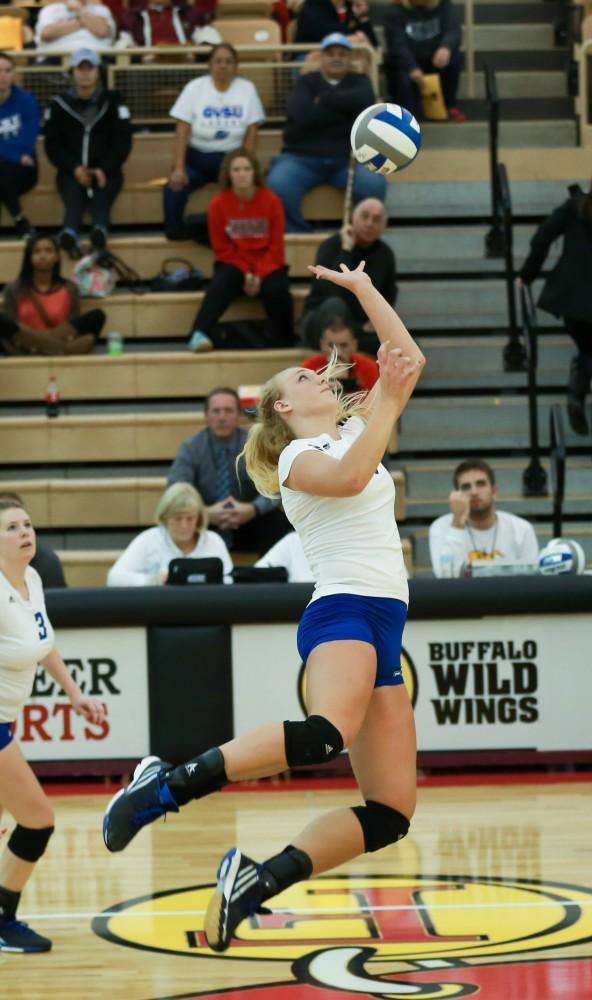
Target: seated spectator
[(246, 520), (316, 145), (423, 36), (45, 560), (182, 531), (288, 552), (215, 114), (41, 312), (359, 373), (19, 128), (246, 226), (164, 22), (74, 24), (474, 529), (356, 242), (566, 293), (318, 18), (88, 137)]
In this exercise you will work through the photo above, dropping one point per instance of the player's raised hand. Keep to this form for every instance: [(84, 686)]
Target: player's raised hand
[(396, 369), (354, 280)]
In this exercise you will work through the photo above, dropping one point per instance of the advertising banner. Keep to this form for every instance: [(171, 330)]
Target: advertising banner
[(109, 664), (495, 683)]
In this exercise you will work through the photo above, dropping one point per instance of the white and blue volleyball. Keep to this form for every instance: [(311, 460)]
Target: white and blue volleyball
[(385, 138), (562, 555)]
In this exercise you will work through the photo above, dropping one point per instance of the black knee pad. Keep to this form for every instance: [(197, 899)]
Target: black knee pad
[(312, 742), (29, 844), (380, 824)]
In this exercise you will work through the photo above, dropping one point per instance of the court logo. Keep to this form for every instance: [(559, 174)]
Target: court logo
[(380, 936), (409, 679)]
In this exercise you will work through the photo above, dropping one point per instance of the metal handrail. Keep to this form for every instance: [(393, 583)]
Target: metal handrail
[(469, 46), (534, 477), (494, 244), (557, 466), (583, 101), (514, 353)]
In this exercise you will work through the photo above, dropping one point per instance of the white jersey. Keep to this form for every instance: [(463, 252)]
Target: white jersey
[(83, 38), (510, 538), (149, 554), (26, 637), (218, 118), (351, 543), (288, 552)]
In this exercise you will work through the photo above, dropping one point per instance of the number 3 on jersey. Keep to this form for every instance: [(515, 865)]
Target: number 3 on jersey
[(41, 625)]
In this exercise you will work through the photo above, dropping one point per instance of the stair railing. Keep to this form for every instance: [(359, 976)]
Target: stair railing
[(557, 467), (534, 477)]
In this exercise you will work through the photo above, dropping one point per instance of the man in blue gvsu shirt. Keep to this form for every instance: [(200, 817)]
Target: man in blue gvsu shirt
[(19, 128)]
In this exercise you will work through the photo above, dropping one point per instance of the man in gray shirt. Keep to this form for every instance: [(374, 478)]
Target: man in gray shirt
[(246, 520)]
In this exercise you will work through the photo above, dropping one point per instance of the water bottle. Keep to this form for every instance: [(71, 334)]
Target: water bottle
[(115, 344), (52, 397)]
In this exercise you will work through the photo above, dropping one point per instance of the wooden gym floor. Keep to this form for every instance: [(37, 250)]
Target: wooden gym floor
[(489, 896)]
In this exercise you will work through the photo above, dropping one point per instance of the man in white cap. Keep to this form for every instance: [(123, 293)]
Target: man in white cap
[(88, 137), (320, 112)]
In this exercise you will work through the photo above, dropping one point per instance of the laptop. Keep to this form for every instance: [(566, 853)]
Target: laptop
[(187, 570), (260, 574)]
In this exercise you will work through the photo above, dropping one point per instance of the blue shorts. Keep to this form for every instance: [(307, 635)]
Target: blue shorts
[(377, 620), (6, 734)]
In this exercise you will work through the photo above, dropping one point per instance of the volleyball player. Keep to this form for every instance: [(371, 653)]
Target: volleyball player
[(323, 454), (26, 639)]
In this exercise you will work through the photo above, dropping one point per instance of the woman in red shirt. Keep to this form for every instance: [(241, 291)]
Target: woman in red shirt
[(41, 313), (246, 227)]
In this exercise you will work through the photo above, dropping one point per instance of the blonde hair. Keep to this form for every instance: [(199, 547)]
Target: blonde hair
[(270, 434), (180, 497)]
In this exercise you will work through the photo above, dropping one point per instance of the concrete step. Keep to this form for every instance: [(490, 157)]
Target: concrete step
[(514, 84), (522, 59), (445, 249), (549, 133), (429, 481), (459, 305), (472, 199), (477, 362), (517, 12), (502, 37), (477, 423), (579, 530)]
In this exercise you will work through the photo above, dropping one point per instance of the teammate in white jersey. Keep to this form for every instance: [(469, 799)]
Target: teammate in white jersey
[(26, 639), (323, 454)]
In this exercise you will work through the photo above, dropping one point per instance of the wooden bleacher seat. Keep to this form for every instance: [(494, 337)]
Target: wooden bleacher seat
[(112, 502), (243, 8), (146, 254), (252, 31), (88, 568)]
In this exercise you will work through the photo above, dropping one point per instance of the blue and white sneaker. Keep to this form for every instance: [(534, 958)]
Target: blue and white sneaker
[(144, 800), (198, 342), (16, 936), (238, 895)]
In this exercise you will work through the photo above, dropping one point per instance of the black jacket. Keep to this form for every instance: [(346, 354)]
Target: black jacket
[(413, 35), (322, 127), (318, 18), (380, 265), (102, 141), (568, 289)]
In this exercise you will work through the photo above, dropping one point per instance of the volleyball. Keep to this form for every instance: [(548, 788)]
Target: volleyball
[(562, 555), (385, 138)]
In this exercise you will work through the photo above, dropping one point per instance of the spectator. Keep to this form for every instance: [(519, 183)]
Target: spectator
[(475, 529), (361, 372), (164, 22), (42, 309), (423, 36), (318, 18), (246, 520), (246, 226), (316, 148), (74, 24), (45, 560), (214, 114), (356, 242), (182, 531), (288, 552), (567, 290), (88, 137), (19, 128)]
